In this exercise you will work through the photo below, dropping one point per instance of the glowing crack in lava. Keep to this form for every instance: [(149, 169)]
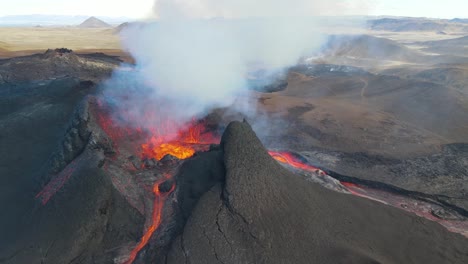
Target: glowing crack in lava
[(293, 161), (159, 199)]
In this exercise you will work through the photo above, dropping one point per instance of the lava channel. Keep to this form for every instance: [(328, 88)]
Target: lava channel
[(293, 161), (159, 199)]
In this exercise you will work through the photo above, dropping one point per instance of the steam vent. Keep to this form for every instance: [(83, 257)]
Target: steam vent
[(99, 200)]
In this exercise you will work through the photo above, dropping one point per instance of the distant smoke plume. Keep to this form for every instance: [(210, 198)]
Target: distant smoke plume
[(261, 8), (199, 54)]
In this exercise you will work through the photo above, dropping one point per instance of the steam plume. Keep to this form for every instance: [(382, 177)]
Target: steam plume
[(197, 54)]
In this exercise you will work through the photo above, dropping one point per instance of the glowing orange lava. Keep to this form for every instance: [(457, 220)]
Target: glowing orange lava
[(158, 151), (155, 222), (292, 160), (179, 144), (157, 135), (161, 135)]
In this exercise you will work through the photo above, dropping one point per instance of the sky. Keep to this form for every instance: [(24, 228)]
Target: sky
[(142, 8)]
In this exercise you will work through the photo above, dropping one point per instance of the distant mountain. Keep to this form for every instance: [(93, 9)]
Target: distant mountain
[(54, 20), (365, 50), (417, 24), (118, 29), (455, 46), (460, 20), (462, 41), (94, 22), (369, 47), (121, 27)]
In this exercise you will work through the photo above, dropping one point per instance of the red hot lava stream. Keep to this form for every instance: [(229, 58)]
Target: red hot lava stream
[(290, 159), (417, 207), (181, 145), (155, 142), (159, 199)]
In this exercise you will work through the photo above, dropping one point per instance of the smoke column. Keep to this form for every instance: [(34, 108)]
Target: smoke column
[(197, 54)]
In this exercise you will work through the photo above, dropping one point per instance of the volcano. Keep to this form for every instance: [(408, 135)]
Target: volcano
[(264, 213), (94, 22), (84, 185), (117, 194)]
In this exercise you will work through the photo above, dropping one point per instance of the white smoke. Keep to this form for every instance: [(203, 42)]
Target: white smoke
[(197, 54), (234, 9)]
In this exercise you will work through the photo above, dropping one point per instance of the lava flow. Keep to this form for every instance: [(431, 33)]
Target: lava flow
[(418, 207), (57, 182), (159, 199), (293, 161), (154, 135)]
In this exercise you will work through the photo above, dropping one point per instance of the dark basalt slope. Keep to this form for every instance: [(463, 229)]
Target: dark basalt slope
[(69, 209), (265, 214), (56, 64)]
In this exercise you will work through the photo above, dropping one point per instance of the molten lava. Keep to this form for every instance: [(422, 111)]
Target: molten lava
[(153, 135), (180, 144), (176, 149), (159, 199), (160, 134), (293, 161)]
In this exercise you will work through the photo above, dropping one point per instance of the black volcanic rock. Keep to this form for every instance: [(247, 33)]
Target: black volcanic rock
[(57, 63), (74, 141), (87, 219), (58, 51), (265, 214)]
